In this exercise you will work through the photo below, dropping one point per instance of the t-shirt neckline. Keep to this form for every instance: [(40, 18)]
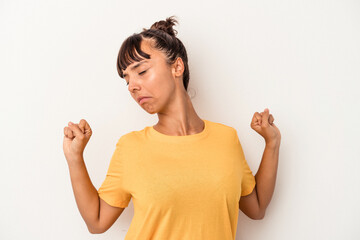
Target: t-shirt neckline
[(168, 138)]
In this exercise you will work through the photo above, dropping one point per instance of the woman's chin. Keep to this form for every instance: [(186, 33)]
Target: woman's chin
[(149, 110)]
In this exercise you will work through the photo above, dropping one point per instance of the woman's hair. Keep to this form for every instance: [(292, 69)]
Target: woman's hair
[(165, 40)]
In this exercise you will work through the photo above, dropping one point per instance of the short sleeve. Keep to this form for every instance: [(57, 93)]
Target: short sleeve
[(248, 179), (112, 189)]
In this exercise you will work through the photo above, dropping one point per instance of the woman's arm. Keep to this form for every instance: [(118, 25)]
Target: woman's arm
[(255, 204), (76, 136)]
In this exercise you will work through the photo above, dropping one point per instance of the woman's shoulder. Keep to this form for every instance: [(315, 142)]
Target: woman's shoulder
[(221, 127), (132, 136)]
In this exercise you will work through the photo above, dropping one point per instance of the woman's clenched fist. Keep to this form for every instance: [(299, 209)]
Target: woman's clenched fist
[(76, 136), (263, 123)]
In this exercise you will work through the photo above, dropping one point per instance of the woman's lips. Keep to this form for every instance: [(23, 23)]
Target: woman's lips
[(143, 99)]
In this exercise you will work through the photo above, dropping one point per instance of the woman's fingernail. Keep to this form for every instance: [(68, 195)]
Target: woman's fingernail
[(70, 123)]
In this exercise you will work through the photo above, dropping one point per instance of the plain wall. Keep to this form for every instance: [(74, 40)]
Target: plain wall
[(300, 59)]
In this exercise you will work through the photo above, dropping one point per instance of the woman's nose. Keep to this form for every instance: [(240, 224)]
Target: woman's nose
[(133, 85)]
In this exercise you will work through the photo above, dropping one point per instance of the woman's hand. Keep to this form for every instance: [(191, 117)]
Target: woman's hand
[(263, 123), (76, 136)]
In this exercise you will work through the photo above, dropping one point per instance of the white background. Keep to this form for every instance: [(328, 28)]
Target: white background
[(301, 59)]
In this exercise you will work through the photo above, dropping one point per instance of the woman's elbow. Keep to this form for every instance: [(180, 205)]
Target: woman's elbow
[(259, 216)]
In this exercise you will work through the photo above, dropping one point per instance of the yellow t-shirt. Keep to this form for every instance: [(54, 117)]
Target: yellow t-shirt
[(182, 187)]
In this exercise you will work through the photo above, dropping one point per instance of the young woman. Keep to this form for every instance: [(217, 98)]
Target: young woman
[(187, 176)]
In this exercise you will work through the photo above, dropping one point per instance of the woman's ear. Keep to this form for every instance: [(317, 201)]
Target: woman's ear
[(178, 67)]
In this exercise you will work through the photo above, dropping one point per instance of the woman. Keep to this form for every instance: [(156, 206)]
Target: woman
[(187, 176)]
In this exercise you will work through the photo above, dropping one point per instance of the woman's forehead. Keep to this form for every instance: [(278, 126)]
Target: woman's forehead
[(133, 66)]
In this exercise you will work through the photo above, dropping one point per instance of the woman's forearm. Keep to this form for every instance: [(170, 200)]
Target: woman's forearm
[(86, 196), (266, 175)]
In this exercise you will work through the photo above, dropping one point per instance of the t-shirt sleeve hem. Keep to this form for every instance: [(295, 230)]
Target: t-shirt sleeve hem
[(112, 202), (248, 190)]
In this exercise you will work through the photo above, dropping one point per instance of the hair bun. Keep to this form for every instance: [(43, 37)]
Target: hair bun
[(166, 26)]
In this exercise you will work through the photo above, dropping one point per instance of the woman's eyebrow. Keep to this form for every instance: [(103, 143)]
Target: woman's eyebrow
[(136, 66)]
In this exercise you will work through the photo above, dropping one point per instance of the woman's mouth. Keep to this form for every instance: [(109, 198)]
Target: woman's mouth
[(143, 99)]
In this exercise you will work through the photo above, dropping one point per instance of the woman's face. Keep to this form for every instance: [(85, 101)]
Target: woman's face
[(152, 78)]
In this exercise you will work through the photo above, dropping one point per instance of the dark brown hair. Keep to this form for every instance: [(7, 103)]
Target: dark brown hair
[(165, 40)]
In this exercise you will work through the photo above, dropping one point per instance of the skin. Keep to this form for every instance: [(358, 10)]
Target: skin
[(177, 117)]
